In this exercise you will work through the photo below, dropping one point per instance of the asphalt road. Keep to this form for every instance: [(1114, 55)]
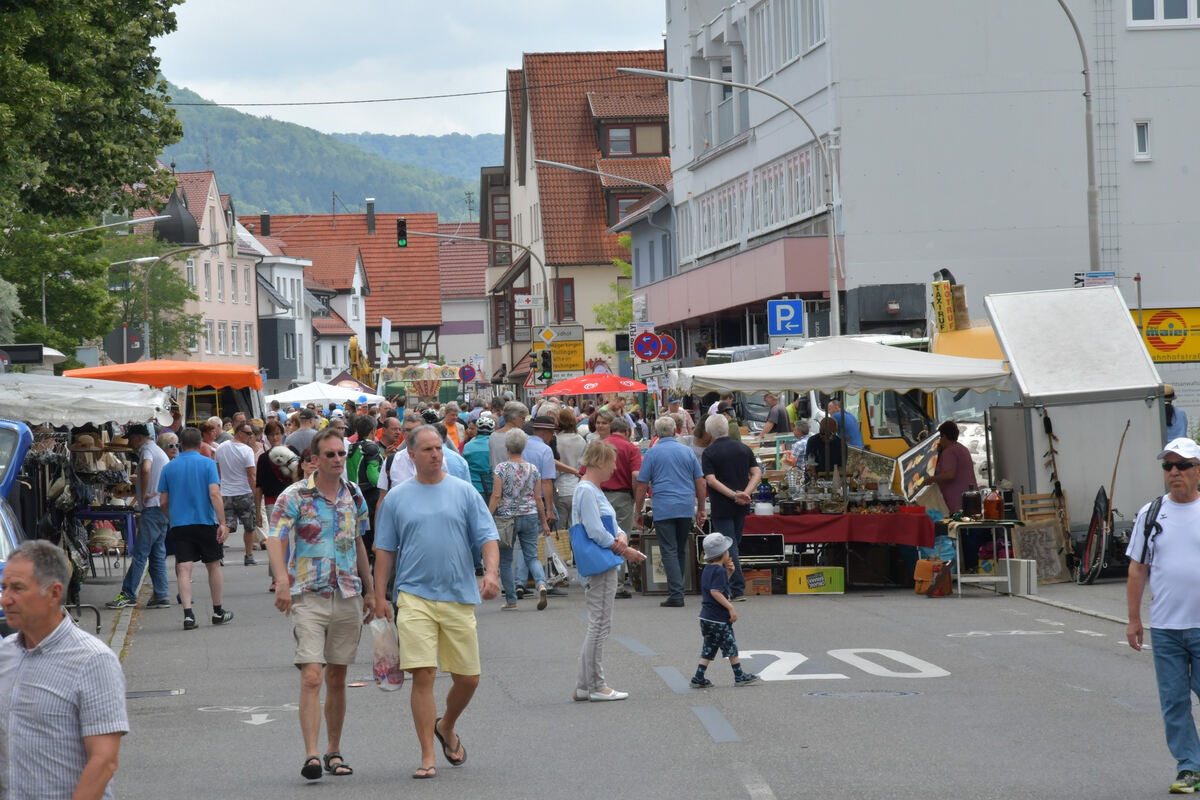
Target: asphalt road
[(870, 693)]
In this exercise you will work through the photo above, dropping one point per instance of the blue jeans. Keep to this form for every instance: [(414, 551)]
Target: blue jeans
[(1177, 666), (732, 527), (526, 528), (150, 543), (674, 536)]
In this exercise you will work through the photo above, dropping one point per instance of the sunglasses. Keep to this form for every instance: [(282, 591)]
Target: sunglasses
[(172, 447), (1182, 466), (334, 454)]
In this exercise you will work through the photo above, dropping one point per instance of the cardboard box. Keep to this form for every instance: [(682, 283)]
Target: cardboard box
[(758, 581), (816, 580)]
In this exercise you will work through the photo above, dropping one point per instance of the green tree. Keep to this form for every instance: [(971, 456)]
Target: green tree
[(60, 274), (151, 291), (10, 311), (616, 314), (83, 110)]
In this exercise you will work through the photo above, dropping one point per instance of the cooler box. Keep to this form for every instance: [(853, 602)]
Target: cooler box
[(816, 580)]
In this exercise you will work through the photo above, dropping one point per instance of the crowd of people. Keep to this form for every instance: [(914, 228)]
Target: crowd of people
[(415, 515)]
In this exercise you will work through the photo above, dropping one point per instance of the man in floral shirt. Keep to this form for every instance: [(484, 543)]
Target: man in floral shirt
[(316, 540)]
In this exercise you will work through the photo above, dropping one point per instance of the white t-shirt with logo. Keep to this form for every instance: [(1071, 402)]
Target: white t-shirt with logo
[(232, 460), (1174, 563)]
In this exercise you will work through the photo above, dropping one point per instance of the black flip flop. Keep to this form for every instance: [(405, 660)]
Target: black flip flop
[(424, 773), (312, 768), (446, 747), (339, 769)]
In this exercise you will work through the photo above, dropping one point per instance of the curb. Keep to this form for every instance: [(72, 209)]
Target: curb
[(1077, 609)]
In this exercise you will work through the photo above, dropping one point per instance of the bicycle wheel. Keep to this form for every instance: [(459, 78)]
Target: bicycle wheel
[(1091, 560)]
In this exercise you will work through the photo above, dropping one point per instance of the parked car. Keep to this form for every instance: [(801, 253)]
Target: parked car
[(15, 441)]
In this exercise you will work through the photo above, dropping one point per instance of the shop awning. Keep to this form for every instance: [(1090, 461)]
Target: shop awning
[(55, 400), (175, 373)]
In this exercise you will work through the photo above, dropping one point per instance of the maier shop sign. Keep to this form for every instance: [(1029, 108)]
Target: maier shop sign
[(1172, 335)]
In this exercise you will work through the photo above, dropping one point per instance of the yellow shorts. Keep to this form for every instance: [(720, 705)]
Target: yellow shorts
[(433, 631)]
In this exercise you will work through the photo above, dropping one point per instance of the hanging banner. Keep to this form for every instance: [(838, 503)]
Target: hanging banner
[(385, 340), (943, 306)]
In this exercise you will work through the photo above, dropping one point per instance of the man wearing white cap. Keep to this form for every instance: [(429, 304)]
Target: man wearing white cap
[(1164, 548)]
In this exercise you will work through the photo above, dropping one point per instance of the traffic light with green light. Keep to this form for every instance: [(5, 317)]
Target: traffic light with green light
[(401, 232), (545, 365)]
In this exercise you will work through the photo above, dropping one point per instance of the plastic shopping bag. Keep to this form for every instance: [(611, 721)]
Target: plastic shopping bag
[(386, 661)]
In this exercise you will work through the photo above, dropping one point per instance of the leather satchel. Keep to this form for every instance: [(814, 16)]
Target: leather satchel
[(932, 577)]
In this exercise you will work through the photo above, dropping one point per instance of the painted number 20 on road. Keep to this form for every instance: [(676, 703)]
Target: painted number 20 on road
[(878, 662)]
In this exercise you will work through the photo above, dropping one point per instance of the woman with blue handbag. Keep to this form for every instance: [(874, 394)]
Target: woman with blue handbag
[(599, 546)]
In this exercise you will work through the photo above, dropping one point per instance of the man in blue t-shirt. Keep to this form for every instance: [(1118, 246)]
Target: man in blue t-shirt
[(431, 528), (190, 496), (847, 424), (672, 473)]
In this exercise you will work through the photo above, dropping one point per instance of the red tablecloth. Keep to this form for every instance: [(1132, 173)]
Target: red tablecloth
[(914, 529)]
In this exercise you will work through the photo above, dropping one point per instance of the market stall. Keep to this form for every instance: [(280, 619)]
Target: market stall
[(844, 365), (322, 393)]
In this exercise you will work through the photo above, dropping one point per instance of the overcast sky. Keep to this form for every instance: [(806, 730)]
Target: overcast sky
[(306, 50)]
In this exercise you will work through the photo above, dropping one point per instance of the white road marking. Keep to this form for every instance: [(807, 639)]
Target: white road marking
[(756, 787), (1091, 633), (979, 634), (258, 719), (1050, 622)]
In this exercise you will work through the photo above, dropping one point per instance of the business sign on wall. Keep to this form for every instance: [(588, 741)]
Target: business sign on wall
[(1172, 335)]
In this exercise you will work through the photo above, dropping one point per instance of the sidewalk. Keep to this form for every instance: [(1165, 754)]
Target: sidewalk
[(1104, 599)]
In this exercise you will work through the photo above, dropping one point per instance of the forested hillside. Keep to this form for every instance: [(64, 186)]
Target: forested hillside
[(454, 154), (289, 169)]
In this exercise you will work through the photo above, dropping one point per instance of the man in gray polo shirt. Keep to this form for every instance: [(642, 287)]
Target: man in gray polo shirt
[(301, 438), (62, 692)]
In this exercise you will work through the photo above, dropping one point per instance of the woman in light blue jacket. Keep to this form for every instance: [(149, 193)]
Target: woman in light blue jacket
[(590, 508)]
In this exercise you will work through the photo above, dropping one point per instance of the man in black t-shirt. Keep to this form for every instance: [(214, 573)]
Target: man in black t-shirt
[(732, 474), (777, 418)]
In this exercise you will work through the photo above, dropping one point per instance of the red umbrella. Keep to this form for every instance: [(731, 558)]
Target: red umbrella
[(597, 383)]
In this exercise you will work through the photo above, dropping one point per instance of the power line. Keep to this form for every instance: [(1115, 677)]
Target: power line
[(397, 99)]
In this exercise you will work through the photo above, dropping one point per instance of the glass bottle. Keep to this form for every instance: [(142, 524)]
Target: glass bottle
[(993, 505), (972, 502)]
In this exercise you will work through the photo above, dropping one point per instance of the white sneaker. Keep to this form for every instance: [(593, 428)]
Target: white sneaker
[(611, 694)]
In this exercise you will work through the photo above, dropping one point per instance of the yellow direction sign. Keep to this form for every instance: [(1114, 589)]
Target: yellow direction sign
[(566, 343)]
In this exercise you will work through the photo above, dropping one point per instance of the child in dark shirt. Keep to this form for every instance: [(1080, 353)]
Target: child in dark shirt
[(716, 613)]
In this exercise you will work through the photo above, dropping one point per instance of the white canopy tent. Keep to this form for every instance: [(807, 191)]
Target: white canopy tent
[(845, 364), (55, 400), (322, 393)]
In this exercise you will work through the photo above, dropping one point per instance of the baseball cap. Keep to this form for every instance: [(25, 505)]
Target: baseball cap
[(724, 408), (1183, 447), (137, 430), (715, 544), (544, 421), (307, 413)]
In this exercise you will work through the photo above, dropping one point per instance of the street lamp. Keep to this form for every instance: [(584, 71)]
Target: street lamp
[(835, 313), (1093, 195), (152, 262)]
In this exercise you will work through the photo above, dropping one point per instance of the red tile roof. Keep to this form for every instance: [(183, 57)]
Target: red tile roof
[(655, 171), (628, 106), (463, 265), (274, 244), (332, 265), (515, 106), (563, 129), (195, 186), (333, 325), (403, 280)]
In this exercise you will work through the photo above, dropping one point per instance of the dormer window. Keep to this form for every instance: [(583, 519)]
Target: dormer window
[(635, 140)]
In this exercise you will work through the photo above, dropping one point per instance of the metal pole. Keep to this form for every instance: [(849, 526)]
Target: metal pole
[(1093, 194), (835, 312)]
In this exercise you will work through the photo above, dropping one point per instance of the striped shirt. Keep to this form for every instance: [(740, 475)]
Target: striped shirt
[(321, 537), (51, 697)]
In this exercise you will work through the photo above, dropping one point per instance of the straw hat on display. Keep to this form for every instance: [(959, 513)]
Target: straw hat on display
[(85, 443), (119, 444)]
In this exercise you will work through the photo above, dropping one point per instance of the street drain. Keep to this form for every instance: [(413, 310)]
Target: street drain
[(866, 693), (153, 693)]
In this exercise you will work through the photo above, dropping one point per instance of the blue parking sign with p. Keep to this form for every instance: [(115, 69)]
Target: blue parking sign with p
[(785, 317)]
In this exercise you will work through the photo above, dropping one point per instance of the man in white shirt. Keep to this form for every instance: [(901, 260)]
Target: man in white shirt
[(150, 544), (399, 467), (235, 462), (1165, 552)]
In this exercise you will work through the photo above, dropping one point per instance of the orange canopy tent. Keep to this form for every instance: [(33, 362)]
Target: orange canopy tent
[(176, 373)]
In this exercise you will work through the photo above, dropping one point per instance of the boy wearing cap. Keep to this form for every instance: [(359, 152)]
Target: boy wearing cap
[(716, 613)]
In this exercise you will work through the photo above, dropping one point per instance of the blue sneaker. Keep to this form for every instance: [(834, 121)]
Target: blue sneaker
[(701, 683), (746, 679)]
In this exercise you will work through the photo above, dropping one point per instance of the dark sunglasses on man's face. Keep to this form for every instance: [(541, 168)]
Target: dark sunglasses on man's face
[(334, 454), (1182, 466)]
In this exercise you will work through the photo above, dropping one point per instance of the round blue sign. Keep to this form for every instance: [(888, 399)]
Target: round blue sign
[(466, 373), (668, 347)]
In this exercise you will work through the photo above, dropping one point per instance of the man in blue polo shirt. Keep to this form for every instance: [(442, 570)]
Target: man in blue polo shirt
[(190, 495), (673, 475)]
